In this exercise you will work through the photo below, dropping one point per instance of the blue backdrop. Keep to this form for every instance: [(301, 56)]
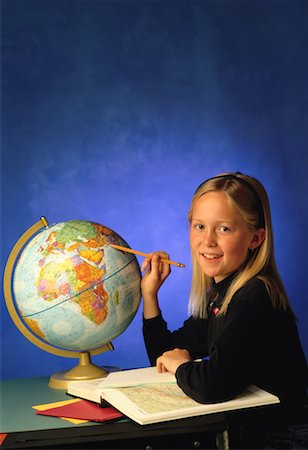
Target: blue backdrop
[(115, 110)]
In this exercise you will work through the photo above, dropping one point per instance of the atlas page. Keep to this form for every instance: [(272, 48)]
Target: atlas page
[(147, 396), (152, 403)]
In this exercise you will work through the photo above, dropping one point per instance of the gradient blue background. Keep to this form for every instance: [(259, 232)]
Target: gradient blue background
[(114, 111)]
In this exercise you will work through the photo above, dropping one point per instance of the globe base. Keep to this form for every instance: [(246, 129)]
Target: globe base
[(85, 370)]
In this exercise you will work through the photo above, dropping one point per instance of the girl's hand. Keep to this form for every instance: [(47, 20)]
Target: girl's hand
[(171, 360), (155, 273)]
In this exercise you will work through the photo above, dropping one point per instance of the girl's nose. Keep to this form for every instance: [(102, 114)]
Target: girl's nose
[(209, 239)]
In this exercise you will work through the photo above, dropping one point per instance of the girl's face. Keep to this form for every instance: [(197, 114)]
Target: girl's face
[(219, 237)]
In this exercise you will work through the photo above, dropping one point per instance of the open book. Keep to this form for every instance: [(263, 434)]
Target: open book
[(146, 396)]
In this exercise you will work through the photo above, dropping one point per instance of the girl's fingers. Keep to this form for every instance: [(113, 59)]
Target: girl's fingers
[(145, 264), (160, 366), (154, 261), (159, 268)]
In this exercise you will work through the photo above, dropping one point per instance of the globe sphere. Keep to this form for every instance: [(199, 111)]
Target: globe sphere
[(72, 289)]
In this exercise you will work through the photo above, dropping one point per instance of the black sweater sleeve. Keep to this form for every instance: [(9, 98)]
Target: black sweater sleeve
[(229, 348), (258, 344), (233, 356), (192, 336), (253, 343)]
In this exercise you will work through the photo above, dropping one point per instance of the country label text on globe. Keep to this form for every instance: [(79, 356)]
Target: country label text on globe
[(72, 289)]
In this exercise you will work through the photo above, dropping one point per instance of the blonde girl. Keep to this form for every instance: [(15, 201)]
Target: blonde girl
[(241, 329)]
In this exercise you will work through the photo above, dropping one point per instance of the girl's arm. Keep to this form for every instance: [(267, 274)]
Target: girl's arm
[(192, 336), (188, 342), (258, 345)]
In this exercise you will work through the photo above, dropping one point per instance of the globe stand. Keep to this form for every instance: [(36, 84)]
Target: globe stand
[(85, 370)]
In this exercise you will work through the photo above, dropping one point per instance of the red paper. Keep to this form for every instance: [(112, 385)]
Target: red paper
[(2, 437), (84, 410)]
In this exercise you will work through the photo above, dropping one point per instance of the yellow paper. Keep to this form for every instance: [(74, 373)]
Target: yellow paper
[(58, 404)]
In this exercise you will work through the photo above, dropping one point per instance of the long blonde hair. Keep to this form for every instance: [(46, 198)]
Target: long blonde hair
[(250, 199)]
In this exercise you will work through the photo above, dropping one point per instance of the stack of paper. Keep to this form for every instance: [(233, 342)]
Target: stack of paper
[(78, 411)]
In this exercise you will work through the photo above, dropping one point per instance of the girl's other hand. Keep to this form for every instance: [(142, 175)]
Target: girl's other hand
[(169, 361)]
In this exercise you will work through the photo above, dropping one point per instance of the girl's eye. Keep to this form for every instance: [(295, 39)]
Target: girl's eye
[(198, 226), (224, 229)]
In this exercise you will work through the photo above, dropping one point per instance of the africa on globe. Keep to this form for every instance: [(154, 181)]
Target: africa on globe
[(72, 289)]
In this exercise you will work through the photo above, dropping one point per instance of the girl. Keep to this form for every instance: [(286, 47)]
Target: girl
[(242, 328)]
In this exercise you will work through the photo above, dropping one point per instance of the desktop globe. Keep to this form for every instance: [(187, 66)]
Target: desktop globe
[(70, 293)]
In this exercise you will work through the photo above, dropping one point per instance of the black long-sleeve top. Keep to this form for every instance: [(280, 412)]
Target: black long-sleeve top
[(253, 343)]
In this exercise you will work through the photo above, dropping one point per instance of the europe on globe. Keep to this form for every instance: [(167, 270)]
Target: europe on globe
[(72, 289)]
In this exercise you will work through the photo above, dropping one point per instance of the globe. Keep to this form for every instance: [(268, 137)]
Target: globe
[(73, 292)]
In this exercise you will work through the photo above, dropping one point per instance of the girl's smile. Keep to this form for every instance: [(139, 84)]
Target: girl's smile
[(211, 256)]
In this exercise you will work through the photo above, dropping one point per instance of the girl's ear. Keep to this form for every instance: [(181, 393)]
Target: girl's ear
[(257, 238)]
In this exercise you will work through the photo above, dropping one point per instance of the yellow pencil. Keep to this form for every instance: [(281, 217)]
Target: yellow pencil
[(136, 252)]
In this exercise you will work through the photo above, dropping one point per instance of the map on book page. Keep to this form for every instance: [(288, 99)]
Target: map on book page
[(168, 397), (157, 398)]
